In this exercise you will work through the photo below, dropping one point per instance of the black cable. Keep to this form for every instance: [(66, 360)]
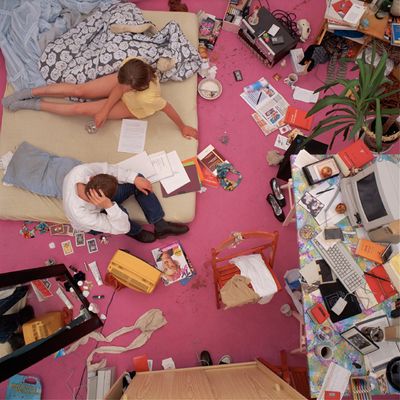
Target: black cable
[(288, 19), (97, 344)]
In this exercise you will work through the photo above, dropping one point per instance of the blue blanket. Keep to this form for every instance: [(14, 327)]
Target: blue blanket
[(27, 26), (38, 171)]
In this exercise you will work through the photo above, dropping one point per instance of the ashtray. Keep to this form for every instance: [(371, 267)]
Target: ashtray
[(209, 89)]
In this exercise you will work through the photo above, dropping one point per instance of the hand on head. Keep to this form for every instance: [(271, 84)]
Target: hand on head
[(143, 185), (99, 199)]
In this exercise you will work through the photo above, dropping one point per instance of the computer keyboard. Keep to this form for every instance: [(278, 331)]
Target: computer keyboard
[(342, 264)]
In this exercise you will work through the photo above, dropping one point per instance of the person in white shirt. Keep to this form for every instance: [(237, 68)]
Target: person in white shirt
[(93, 195)]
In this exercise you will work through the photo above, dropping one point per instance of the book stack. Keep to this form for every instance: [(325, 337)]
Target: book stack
[(344, 15)]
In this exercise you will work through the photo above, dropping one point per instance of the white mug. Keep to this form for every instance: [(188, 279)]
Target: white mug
[(291, 79)]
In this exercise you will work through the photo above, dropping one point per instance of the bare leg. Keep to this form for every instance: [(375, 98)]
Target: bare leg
[(119, 111), (96, 89)]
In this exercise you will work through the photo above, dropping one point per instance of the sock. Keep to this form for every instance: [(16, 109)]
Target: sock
[(31, 104), (161, 224), (19, 95)]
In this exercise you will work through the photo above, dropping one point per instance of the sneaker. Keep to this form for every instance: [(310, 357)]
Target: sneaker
[(205, 358), (276, 190), (170, 228), (144, 236), (276, 208), (226, 359)]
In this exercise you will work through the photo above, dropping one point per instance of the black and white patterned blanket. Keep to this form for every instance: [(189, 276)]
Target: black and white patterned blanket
[(90, 50)]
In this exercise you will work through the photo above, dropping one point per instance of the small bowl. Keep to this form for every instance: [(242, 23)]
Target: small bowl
[(209, 89)]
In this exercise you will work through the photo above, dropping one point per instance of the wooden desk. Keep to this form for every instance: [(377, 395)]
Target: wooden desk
[(343, 353), (376, 27)]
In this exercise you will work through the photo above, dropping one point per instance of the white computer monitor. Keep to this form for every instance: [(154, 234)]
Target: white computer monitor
[(372, 196)]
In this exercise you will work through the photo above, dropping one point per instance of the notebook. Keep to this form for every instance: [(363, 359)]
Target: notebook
[(380, 284), (296, 117)]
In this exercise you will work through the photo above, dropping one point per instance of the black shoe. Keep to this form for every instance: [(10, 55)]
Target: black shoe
[(276, 208), (144, 236), (170, 228), (276, 190), (205, 358)]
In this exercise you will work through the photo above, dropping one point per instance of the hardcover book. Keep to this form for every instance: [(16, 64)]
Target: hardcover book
[(352, 157), (296, 117), (210, 157), (370, 250)]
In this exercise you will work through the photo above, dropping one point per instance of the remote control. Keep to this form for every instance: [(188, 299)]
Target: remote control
[(238, 75)]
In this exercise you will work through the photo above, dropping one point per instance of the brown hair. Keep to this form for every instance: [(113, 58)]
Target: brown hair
[(107, 183), (137, 74)]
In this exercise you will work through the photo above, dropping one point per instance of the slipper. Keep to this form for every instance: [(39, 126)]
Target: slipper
[(276, 208), (276, 190)]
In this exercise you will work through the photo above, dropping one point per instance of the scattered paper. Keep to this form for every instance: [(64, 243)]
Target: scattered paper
[(282, 142), (140, 163), (273, 30), (304, 158), (168, 363), (308, 96), (336, 380), (161, 166), (132, 136), (354, 15), (180, 176), (311, 273)]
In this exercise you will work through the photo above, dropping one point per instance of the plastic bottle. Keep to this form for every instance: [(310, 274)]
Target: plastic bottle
[(261, 83)]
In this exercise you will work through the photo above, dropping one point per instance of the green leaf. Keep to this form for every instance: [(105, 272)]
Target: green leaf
[(356, 128), (390, 111), (319, 129), (346, 110), (330, 101)]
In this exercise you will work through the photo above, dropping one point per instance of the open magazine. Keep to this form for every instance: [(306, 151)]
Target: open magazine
[(171, 260), (270, 105)]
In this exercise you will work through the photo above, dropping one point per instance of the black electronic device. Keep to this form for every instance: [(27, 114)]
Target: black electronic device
[(238, 75), (321, 170), (252, 34)]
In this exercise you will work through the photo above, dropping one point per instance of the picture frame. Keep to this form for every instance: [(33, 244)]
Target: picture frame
[(359, 341)]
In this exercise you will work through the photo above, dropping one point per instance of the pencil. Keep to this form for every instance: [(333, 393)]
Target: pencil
[(259, 97), (324, 191), (377, 277)]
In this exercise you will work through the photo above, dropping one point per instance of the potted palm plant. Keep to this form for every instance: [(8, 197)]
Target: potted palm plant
[(360, 106)]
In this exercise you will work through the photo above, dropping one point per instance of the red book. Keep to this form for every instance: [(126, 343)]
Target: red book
[(354, 156), (380, 284), (208, 178), (297, 117)]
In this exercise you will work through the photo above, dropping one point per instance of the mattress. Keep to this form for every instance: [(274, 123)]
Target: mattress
[(66, 136)]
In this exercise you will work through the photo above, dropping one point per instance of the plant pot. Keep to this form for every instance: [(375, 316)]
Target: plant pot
[(389, 138)]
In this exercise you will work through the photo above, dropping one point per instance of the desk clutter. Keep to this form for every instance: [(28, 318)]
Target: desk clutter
[(349, 276)]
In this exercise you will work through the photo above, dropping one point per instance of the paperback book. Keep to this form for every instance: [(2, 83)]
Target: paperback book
[(209, 29), (173, 263), (210, 157)]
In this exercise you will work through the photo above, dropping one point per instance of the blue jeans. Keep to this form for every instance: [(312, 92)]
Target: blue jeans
[(149, 204)]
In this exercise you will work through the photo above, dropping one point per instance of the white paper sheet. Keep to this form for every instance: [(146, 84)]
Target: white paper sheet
[(304, 158), (336, 380), (180, 176), (308, 96), (161, 165), (328, 216), (132, 136), (140, 163)]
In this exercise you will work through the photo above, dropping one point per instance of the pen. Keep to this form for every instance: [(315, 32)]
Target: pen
[(326, 190), (377, 277), (259, 97)]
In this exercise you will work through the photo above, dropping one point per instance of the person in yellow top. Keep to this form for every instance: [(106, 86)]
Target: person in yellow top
[(132, 92)]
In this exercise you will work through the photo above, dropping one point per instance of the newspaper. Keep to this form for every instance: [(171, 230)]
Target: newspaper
[(270, 105)]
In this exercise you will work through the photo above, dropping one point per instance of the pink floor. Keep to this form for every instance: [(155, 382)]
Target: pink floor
[(194, 323)]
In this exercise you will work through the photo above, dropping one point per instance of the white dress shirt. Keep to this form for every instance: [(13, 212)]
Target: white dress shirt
[(85, 216)]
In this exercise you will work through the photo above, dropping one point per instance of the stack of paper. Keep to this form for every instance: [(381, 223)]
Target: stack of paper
[(179, 177), (344, 14), (336, 380)]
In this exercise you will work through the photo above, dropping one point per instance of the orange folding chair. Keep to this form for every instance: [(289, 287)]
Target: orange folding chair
[(239, 244)]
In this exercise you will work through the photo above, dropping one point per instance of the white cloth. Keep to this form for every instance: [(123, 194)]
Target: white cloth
[(85, 216), (147, 323), (253, 267)]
